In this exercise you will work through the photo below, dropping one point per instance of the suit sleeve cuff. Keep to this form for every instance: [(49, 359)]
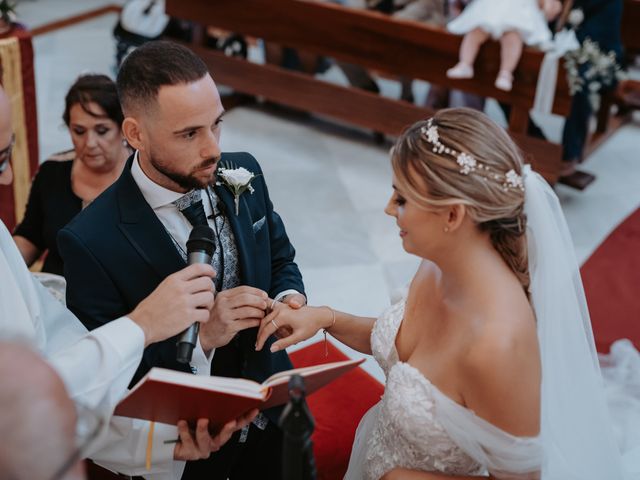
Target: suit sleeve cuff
[(291, 291)]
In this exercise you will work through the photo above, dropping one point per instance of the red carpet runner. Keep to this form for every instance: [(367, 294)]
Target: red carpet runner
[(611, 280), (337, 409)]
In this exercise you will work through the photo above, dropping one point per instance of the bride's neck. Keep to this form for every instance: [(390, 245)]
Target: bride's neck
[(470, 265)]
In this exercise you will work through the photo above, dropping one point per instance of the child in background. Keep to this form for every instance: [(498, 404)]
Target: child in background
[(512, 22)]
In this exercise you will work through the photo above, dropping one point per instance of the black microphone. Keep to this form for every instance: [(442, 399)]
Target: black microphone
[(200, 248)]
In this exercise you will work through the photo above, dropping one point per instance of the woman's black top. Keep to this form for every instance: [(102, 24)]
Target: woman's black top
[(52, 204)]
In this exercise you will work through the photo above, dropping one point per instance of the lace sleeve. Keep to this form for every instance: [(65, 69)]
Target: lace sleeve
[(384, 333)]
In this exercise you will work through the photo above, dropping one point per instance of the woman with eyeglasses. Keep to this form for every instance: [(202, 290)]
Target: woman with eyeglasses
[(67, 182)]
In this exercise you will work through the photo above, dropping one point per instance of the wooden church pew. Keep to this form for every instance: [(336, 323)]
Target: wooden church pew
[(375, 41)]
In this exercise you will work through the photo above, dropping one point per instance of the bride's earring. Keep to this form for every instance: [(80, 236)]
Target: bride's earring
[(446, 229)]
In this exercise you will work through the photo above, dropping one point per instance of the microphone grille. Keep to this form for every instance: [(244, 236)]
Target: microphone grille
[(201, 238)]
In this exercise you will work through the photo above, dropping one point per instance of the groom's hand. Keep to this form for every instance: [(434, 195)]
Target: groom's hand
[(294, 300), (234, 310), (181, 299)]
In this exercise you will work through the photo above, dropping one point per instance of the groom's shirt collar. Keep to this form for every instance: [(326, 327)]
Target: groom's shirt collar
[(155, 195)]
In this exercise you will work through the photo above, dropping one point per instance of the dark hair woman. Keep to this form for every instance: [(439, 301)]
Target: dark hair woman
[(67, 182)]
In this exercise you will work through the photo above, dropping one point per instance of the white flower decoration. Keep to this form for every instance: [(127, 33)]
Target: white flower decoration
[(238, 180), (514, 180), (432, 135), (467, 162), (576, 17)]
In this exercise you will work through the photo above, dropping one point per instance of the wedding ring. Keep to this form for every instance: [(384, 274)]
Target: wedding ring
[(275, 324), (272, 305)]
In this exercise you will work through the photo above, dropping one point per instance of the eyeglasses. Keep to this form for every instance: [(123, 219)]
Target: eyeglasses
[(5, 154), (90, 424)]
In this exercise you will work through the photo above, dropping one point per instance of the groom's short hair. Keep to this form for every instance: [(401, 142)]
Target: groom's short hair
[(154, 65)]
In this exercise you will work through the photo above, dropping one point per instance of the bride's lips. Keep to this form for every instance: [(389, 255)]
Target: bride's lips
[(403, 233)]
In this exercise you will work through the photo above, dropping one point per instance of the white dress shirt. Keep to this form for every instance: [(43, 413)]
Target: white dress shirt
[(178, 227), (96, 366)]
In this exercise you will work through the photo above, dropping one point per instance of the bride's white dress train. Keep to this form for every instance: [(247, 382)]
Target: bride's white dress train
[(416, 426)]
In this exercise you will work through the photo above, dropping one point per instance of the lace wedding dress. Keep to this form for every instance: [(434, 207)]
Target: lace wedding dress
[(416, 426)]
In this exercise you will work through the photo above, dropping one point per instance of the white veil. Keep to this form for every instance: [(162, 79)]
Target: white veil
[(576, 430)]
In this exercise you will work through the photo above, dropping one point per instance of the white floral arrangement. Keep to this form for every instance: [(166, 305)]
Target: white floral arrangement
[(589, 68), (237, 180)]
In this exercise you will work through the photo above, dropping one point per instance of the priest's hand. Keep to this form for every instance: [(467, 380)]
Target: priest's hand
[(200, 444)]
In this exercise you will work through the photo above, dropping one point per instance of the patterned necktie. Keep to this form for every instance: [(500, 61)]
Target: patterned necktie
[(190, 205)]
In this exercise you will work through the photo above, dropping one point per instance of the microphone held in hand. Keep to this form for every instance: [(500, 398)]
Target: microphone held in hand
[(200, 248)]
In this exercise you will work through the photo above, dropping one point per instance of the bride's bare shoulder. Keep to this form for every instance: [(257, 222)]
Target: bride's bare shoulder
[(502, 370)]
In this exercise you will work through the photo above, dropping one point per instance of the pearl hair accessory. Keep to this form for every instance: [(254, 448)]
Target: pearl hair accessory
[(468, 164)]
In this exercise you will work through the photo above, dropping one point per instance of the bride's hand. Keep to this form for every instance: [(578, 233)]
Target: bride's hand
[(292, 325)]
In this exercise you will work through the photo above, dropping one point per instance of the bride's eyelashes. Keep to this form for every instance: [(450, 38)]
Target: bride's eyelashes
[(398, 200)]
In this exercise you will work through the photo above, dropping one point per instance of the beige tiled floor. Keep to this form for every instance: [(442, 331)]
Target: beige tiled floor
[(329, 183)]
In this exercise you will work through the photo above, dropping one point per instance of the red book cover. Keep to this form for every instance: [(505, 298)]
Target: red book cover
[(168, 396)]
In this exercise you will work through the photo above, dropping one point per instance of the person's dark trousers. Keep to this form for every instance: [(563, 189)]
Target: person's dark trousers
[(576, 128), (602, 25), (260, 457)]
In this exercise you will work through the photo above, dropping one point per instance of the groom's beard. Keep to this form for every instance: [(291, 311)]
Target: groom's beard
[(186, 181)]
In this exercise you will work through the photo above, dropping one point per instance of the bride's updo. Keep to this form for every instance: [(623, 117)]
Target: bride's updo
[(464, 157)]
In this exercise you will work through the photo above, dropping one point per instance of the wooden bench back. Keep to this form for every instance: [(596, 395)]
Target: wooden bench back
[(370, 39)]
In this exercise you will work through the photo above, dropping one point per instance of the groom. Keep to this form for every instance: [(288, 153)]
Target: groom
[(131, 237)]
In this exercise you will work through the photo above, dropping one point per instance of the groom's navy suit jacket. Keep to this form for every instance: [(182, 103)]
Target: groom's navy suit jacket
[(117, 251)]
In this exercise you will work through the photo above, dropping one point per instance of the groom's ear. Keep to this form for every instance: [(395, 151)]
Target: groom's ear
[(456, 215), (132, 132)]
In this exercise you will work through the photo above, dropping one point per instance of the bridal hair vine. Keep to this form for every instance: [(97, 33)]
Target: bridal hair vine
[(468, 164)]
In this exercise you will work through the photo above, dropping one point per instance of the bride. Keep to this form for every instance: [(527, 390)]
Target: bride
[(489, 356)]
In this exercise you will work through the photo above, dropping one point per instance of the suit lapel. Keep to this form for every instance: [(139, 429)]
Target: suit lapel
[(242, 227), (143, 229)]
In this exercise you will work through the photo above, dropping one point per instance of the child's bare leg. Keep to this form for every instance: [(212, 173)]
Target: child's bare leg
[(471, 44), (511, 50), (468, 52)]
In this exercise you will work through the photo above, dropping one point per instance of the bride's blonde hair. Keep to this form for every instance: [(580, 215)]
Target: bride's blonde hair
[(492, 203)]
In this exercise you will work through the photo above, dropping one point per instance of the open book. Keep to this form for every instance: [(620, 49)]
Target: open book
[(168, 396)]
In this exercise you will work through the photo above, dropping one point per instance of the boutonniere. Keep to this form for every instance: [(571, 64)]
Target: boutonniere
[(237, 180)]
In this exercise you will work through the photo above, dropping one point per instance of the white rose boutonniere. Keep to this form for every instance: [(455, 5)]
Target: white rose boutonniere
[(237, 180), (576, 17)]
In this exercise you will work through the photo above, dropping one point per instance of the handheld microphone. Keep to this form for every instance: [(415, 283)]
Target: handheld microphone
[(200, 248)]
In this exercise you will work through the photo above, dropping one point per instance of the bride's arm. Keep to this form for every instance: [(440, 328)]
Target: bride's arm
[(303, 323)]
